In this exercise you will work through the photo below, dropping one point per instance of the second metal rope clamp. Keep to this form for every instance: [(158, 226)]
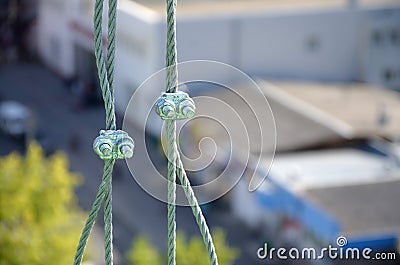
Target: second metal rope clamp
[(113, 144), (175, 106)]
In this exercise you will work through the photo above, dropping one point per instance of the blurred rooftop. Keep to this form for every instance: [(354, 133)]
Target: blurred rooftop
[(351, 110), (314, 115), (192, 7), (358, 188), (362, 208), (294, 129), (324, 169)]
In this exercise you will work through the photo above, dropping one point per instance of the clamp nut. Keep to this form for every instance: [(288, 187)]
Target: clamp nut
[(187, 108), (175, 106), (126, 147), (105, 149), (111, 144), (168, 110)]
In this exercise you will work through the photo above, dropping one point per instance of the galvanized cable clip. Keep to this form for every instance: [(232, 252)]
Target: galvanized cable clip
[(113, 144), (175, 106)]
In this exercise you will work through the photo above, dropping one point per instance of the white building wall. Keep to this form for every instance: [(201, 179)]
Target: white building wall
[(318, 45), (55, 46), (81, 26), (200, 39), (381, 53), (268, 45), (245, 206), (134, 55)]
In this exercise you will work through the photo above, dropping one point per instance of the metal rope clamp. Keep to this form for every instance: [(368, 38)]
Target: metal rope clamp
[(113, 144), (175, 106)]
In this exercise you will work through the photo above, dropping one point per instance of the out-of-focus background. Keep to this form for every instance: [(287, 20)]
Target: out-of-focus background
[(330, 70)]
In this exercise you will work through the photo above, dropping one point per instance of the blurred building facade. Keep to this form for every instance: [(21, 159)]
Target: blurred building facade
[(314, 197), (339, 41), (17, 29)]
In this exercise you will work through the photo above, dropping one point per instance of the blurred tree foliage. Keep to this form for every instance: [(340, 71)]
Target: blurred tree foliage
[(143, 252), (40, 221), (188, 251)]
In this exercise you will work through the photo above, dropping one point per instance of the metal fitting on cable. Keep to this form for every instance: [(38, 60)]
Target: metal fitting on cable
[(113, 144), (175, 106)]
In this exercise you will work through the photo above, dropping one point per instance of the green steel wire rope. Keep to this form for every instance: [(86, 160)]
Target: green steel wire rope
[(112, 27), (175, 165), (201, 221), (172, 86), (112, 21), (106, 76), (171, 132)]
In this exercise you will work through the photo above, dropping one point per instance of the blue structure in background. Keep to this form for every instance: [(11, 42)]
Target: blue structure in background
[(282, 201), (324, 226)]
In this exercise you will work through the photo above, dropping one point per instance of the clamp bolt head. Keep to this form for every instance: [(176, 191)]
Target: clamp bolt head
[(168, 111), (127, 151), (105, 149), (187, 108)]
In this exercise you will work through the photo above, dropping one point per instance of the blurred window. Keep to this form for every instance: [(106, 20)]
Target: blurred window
[(86, 7), (377, 37), (55, 50), (57, 4), (395, 36), (388, 75), (313, 43)]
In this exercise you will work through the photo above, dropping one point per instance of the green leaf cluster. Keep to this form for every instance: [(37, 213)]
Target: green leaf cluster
[(188, 251), (40, 221)]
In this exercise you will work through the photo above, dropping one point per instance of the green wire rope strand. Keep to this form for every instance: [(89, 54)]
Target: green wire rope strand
[(108, 233), (105, 189), (201, 221), (171, 132), (108, 96), (112, 27), (171, 54), (92, 216), (172, 85), (175, 165)]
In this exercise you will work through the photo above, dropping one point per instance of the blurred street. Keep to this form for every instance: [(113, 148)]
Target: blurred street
[(72, 131)]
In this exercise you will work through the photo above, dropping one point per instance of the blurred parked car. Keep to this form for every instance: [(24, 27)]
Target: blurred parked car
[(14, 118)]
